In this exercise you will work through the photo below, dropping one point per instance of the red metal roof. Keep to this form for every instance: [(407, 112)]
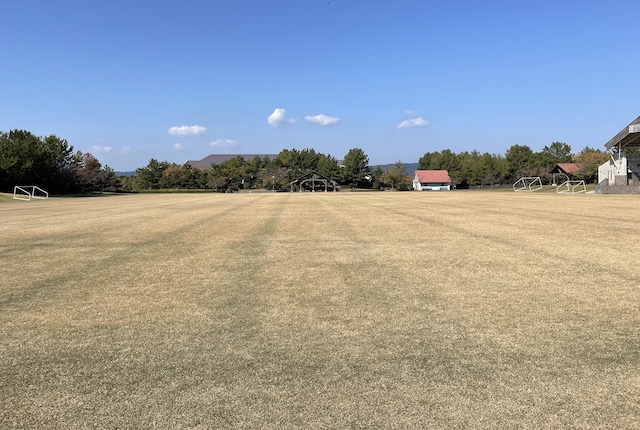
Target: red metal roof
[(431, 176), (569, 167)]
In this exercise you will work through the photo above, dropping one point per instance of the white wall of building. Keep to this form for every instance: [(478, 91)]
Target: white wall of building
[(611, 169)]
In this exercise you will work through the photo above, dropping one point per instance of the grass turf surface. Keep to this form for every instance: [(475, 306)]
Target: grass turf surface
[(376, 310)]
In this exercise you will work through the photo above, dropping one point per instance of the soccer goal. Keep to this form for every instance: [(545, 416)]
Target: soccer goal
[(571, 187), (528, 183), (29, 192)]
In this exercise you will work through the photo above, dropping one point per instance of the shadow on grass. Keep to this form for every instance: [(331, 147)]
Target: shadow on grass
[(85, 195), (8, 197)]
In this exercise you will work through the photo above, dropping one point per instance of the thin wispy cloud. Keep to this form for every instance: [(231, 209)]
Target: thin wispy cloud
[(223, 143), (188, 130), (415, 122), (321, 119), (129, 150), (100, 149), (178, 147), (279, 118)]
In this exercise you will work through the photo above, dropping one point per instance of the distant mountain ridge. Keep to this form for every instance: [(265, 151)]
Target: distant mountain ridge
[(409, 167)]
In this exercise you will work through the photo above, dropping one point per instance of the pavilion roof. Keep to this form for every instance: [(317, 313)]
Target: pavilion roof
[(628, 136)]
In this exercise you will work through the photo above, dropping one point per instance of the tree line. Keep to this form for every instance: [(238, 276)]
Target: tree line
[(467, 169), (479, 170), (260, 172), (49, 162)]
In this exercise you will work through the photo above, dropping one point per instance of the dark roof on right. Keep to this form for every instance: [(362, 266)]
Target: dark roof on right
[(628, 136)]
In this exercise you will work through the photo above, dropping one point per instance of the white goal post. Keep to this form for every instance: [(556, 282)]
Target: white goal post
[(528, 183), (571, 187), (29, 192)]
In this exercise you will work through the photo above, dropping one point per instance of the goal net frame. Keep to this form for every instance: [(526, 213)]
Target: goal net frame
[(528, 184), (571, 187), (29, 192)]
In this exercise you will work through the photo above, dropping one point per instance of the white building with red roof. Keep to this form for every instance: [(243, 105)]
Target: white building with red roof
[(431, 180)]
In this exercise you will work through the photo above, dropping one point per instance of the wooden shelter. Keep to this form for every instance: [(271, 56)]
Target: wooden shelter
[(314, 181), (564, 169)]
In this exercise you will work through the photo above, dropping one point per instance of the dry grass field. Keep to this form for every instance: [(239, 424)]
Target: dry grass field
[(339, 310)]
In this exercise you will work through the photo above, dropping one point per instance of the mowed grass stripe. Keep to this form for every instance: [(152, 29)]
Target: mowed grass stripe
[(531, 293), (349, 339), (330, 311), (88, 246), (545, 239), (562, 209), (153, 326)]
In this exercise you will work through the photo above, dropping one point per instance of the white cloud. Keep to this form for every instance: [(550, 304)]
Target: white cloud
[(278, 117), (98, 149), (416, 122), (223, 143), (128, 149), (188, 130), (321, 119), (410, 112), (178, 147)]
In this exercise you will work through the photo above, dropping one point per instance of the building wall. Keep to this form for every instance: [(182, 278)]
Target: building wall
[(615, 173), (435, 187), (416, 185), (618, 189), (633, 163)]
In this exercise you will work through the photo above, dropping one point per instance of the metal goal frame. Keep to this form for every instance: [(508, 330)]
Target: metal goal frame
[(29, 192), (571, 187), (528, 184)]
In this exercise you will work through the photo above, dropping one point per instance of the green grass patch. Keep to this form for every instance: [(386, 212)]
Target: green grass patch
[(6, 198)]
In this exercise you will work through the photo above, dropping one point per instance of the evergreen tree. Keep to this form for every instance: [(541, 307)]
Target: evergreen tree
[(356, 168), (396, 177), (520, 161)]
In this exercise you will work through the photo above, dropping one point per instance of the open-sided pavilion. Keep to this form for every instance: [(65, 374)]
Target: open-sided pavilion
[(314, 181)]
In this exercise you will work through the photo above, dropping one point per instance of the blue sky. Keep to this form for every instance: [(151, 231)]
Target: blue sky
[(133, 80)]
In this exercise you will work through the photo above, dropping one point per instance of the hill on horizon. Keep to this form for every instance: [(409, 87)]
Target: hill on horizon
[(409, 167)]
